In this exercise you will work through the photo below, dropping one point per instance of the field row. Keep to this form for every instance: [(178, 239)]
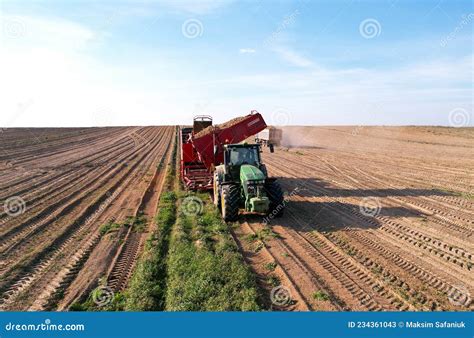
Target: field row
[(53, 244), (366, 231)]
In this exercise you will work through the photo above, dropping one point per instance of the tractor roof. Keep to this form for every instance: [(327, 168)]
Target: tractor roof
[(242, 145)]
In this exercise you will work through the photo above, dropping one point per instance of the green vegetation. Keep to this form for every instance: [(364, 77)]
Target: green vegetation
[(101, 299), (320, 295), (250, 238), (274, 280), (205, 269), (147, 285), (271, 266), (265, 233), (466, 195), (138, 223), (109, 227)]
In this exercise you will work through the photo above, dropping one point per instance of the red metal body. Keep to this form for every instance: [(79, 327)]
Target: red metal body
[(199, 155), (194, 173)]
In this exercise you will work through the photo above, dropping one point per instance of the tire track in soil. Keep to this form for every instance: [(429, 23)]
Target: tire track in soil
[(65, 165), (43, 262), (402, 232), (124, 261), (72, 171), (83, 282), (258, 259), (133, 243), (96, 181), (442, 286)]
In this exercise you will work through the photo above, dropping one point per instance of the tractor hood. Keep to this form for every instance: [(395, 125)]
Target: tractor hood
[(250, 173)]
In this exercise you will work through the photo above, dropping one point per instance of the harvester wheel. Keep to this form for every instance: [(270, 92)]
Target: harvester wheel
[(230, 203), (277, 202)]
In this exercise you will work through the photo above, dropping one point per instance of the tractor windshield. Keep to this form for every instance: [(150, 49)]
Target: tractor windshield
[(239, 156)]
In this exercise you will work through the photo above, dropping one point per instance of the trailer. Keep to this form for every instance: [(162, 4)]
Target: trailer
[(194, 174), (270, 136)]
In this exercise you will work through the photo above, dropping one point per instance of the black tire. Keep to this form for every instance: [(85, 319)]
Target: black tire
[(230, 203), (277, 200)]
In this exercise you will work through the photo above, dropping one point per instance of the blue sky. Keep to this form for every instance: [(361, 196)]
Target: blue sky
[(83, 63)]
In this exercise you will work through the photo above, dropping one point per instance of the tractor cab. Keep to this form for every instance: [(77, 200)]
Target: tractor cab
[(238, 154), (244, 154)]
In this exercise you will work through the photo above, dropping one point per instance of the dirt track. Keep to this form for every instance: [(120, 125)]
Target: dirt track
[(67, 183), (376, 219)]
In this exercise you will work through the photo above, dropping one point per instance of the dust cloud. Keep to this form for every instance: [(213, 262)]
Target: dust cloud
[(299, 137)]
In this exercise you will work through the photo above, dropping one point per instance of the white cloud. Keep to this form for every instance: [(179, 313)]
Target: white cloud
[(50, 78), (247, 50), (292, 57), (200, 7), (20, 31)]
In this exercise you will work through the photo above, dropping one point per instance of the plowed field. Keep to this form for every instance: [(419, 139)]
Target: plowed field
[(377, 218), (58, 188)]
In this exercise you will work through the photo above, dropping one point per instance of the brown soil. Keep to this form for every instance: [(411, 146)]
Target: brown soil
[(411, 248), (73, 181), (377, 218)]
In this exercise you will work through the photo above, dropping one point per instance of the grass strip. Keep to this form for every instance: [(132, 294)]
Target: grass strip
[(206, 272)]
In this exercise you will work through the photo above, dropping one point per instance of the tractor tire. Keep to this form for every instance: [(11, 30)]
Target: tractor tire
[(230, 203), (277, 200)]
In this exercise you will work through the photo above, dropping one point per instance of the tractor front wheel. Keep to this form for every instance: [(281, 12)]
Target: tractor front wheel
[(230, 203), (277, 201)]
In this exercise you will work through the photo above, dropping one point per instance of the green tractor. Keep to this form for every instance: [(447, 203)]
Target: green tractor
[(242, 182)]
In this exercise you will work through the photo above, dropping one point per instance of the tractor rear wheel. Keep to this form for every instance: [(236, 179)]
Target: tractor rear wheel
[(277, 201), (230, 203)]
